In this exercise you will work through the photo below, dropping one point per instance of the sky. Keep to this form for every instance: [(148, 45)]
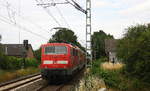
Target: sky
[(24, 19)]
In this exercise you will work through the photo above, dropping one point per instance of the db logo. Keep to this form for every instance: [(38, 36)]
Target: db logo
[(55, 62)]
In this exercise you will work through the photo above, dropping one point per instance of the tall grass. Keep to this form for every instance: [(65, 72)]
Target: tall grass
[(109, 73), (111, 66), (6, 75), (114, 77)]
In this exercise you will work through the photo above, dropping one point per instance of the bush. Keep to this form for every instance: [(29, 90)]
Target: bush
[(96, 66), (31, 62), (134, 50), (37, 54), (14, 63), (110, 77), (117, 78)]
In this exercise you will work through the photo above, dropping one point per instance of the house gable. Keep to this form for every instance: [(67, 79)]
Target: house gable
[(17, 50), (111, 48)]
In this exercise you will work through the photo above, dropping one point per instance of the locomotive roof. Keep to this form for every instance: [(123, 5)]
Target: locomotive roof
[(60, 44), (69, 44)]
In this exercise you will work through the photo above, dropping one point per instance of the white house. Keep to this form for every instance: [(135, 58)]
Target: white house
[(110, 49)]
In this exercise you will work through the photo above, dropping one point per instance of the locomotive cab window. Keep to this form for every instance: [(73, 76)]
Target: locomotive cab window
[(56, 50)]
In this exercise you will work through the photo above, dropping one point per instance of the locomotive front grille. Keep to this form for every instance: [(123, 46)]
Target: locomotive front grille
[(54, 72)]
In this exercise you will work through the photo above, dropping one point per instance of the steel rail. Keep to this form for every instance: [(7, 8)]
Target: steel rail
[(60, 87), (19, 82), (51, 88)]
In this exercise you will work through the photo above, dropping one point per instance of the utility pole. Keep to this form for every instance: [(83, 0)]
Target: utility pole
[(0, 38), (88, 32)]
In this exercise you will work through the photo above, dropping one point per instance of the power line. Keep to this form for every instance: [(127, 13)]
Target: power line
[(23, 28), (51, 4), (77, 6), (19, 12), (49, 13), (72, 2), (26, 19), (11, 14), (62, 16)]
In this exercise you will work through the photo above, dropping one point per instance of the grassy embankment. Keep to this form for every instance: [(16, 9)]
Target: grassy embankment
[(110, 73), (6, 75), (115, 77), (11, 67), (101, 75)]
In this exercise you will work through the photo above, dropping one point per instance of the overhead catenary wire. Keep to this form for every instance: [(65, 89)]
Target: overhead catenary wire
[(21, 27), (24, 29), (77, 6), (19, 12), (72, 2), (46, 5), (49, 13), (12, 18), (26, 19), (59, 11)]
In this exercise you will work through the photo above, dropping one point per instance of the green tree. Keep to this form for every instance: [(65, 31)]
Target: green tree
[(134, 50), (1, 54), (0, 38), (98, 43), (37, 54), (65, 35)]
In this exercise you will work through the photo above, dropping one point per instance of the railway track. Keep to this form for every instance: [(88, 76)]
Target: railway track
[(52, 88), (19, 83), (36, 83), (67, 86)]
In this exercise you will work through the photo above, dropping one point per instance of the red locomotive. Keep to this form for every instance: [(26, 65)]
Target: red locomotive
[(61, 60)]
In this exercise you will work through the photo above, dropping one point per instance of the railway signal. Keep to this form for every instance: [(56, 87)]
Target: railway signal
[(25, 44)]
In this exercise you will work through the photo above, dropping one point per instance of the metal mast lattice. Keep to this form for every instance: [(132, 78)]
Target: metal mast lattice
[(88, 32)]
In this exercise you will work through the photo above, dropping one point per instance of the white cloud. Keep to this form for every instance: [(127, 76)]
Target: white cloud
[(137, 9), (97, 3), (104, 3)]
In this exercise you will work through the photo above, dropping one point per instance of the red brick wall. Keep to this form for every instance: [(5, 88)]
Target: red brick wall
[(30, 53)]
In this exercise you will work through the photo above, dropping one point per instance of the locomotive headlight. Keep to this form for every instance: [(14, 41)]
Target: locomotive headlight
[(48, 62), (62, 62)]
